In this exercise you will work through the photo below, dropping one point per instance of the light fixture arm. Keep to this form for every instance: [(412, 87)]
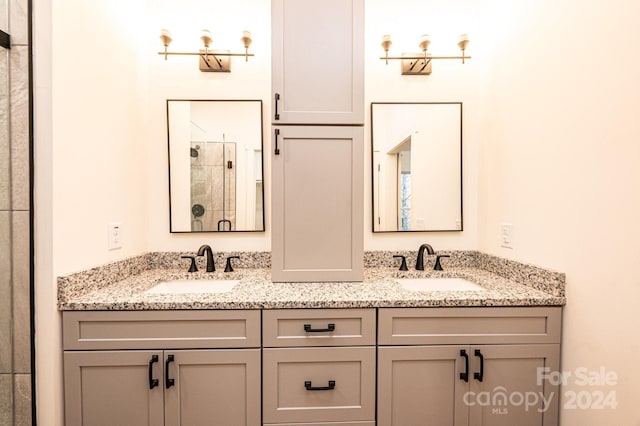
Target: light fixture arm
[(421, 64), (208, 54), (423, 57), (221, 57)]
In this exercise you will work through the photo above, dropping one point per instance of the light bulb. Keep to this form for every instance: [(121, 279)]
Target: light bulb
[(386, 42), (205, 36), (425, 41), (246, 39), (165, 37), (463, 42)]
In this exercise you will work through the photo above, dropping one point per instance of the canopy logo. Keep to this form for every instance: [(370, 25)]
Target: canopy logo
[(500, 400)]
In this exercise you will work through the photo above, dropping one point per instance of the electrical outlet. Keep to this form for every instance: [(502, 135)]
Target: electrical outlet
[(458, 225), (506, 235), (114, 235)]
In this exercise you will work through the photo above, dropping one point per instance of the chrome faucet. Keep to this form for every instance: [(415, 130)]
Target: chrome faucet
[(420, 259), (211, 266)]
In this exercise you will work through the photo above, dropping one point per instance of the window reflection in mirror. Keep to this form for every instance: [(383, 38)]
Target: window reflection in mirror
[(215, 165), (416, 166)]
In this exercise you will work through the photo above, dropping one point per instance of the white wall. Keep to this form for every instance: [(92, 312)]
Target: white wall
[(450, 81), (91, 160), (99, 131), (180, 78), (561, 164)]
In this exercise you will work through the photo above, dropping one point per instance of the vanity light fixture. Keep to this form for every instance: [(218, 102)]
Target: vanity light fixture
[(416, 64), (210, 60)]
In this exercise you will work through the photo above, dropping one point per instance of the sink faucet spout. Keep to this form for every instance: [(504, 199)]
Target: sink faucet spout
[(420, 259), (205, 249)]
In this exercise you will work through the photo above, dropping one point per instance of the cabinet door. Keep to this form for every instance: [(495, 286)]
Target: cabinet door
[(421, 385), (213, 387), (112, 388), (317, 197), (510, 392), (318, 61)]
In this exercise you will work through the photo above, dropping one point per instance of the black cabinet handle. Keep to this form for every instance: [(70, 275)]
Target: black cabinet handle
[(169, 382), (152, 382), (479, 376), (465, 376), (308, 329), (277, 98), (331, 386), (277, 150)]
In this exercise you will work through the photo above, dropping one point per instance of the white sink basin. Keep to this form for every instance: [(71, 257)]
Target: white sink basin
[(438, 284), (193, 286)]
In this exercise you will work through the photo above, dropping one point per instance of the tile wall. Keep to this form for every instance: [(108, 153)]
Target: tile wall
[(15, 241)]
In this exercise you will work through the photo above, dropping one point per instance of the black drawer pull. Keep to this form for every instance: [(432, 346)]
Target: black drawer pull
[(479, 376), (331, 386), (330, 327), (277, 98), (465, 376), (170, 382), (277, 150), (152, 382)]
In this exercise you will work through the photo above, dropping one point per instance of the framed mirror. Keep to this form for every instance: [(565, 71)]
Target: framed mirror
[(215, 165), (416, 166)]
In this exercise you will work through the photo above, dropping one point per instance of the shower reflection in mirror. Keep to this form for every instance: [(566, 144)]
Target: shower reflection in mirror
[(416, 166), (215, 166)]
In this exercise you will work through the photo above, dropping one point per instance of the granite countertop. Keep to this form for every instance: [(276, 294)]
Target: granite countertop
[(125, 289)]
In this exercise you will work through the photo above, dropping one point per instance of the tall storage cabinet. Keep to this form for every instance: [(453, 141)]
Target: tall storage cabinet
[(318, 61), (317, 140), (317, 204)]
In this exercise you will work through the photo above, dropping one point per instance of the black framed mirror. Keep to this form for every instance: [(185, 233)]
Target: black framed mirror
[(416, 166), (215, 165)]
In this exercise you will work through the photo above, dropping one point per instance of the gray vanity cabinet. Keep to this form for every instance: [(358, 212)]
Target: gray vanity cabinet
[(467, 366), (317, 204), (319, 367), (109, 380), (317, 61)]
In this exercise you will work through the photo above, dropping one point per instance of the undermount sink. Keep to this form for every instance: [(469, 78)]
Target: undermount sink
[(193, 286), (438, 284)]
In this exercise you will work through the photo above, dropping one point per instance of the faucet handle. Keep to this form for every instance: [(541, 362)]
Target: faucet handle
[(193, 267), (229, 268), (438, 266), (403, 264)]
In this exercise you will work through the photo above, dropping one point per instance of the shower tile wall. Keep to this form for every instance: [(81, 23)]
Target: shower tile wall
[(15, 245), (213, 185)]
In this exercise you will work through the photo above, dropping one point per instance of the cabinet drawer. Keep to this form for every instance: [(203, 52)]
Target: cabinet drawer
[(319, 327), (291, 378), (160, 329), (414, 326)]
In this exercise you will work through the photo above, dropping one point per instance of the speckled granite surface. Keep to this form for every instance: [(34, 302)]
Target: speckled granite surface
[(122, 285)]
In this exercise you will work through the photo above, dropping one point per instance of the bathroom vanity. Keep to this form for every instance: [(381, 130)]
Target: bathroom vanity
[(264, 353)]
